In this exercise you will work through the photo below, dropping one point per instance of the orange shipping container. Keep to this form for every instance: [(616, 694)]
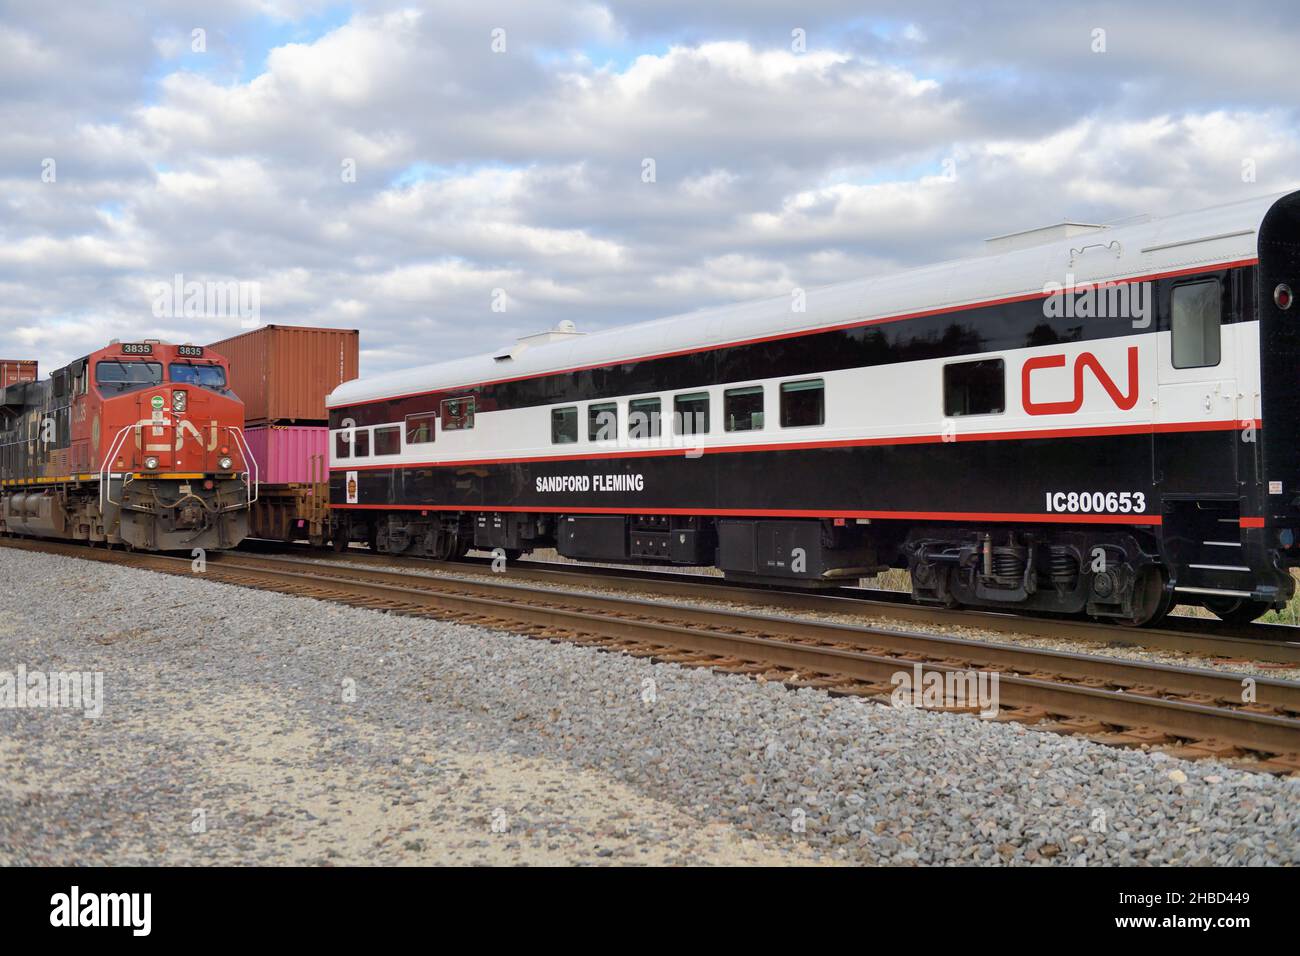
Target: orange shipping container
[(283, 372), (17, 371)]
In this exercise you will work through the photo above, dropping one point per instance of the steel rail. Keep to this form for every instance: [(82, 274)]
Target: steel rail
[(1188, 635), (1182, 703), (1017, 658)]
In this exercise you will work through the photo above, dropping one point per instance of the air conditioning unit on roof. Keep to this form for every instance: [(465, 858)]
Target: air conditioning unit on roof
[(563, 332)]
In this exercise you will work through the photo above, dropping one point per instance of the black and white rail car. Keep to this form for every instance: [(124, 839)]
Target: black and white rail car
[(1086, 419)]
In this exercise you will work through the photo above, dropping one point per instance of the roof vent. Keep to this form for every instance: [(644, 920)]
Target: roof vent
[(561, 333), (1039, 236)]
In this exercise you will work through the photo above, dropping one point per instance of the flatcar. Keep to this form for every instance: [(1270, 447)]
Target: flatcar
[(1086, 419), (138, 444)]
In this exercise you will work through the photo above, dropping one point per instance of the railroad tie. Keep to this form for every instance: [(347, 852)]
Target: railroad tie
[(1282, 763), (1136, 737), (1200, 749), (1021, 715), (1070, 726)]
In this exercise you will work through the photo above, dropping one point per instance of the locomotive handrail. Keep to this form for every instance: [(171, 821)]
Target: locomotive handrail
[(255, 487), (252, 487), (105, 472)]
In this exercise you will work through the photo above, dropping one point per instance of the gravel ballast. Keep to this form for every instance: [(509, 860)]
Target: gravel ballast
[(241, 726)]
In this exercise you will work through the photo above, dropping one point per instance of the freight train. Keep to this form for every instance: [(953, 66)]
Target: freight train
[(138, 444), (1087, 419)]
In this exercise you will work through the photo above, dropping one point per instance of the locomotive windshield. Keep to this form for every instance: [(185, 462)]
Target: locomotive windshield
[(125, 376), (204, 376)]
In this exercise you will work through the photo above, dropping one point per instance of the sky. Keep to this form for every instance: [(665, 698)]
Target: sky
[(447, 177)]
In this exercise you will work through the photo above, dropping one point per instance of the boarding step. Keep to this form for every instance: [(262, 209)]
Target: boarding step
[(1221, 580)]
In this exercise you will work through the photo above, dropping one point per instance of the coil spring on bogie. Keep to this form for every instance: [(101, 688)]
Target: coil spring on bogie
[(1062, 564), (1009, 562)]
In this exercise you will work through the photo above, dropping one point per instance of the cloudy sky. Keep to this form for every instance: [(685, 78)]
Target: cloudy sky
[(389, 166)]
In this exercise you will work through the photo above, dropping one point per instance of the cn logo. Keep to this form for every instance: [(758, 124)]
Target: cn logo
[(1123, 400)]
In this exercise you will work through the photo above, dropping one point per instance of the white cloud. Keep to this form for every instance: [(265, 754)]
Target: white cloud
[(522, 171)]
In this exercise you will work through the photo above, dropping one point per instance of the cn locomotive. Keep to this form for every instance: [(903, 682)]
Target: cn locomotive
[(138, 444), (1086, 419)]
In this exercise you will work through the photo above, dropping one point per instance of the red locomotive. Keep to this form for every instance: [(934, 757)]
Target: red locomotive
[(139, 444)]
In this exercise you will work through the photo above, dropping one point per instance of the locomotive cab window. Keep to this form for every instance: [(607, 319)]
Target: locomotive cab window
[(388, 440), (602, 422), (457, 414), (974, 388), (361, 442), (421, 429), (691, 414), (564, 425), (211, 377), (343, 445), (742, 408), (803, 403), (643, 418), (1196, 314), (119, 376)]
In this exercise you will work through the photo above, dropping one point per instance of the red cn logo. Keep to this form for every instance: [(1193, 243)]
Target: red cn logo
[(1084, 360)]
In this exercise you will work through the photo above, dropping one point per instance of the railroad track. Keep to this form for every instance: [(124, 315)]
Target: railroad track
[(1187, 711), (1264, 644)]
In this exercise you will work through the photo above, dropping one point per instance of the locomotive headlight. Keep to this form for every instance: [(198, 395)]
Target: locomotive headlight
[(151, 463), (1282, 296), (224, 464), (179, 401)]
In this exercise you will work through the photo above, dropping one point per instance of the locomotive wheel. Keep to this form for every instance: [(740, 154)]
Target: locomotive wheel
[(1235, 610), (949, 599), (1151, 600), (445, 547), (340, 542), (936, 578)]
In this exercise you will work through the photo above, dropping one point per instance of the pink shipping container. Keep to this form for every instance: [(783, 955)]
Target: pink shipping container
[(290, 454)]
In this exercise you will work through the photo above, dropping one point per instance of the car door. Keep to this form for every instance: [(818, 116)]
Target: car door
[(1196, 416)]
